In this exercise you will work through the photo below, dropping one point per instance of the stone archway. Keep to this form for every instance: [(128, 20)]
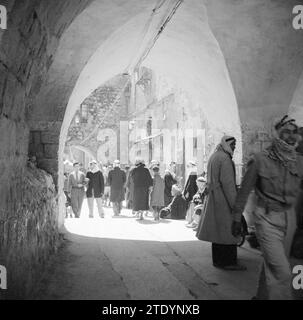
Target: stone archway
[(190, 61), (50, 48)]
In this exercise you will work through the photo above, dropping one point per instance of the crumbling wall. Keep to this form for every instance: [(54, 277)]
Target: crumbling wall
[(28, 198), (28, 229)]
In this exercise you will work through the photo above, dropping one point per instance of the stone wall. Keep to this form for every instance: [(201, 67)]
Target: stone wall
[(28, 230), (28, 211), (44, 144), (263, 53), (27, 49)]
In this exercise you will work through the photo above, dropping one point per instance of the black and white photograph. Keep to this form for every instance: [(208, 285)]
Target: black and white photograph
[(151, 152)]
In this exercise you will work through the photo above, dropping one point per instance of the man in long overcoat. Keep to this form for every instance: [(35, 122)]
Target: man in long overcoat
[(215, 227), (142, 186), (76, 183), (116, 181)]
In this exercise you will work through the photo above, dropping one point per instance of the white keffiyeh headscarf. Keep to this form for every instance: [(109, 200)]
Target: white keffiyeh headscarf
[(225, 143)]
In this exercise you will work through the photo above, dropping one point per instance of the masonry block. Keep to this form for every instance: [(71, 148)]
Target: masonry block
[(49, 137), (51, 151), (49, 165)]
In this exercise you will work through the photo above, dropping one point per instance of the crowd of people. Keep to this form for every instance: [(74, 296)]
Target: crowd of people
[(142, 188), (212, 204)]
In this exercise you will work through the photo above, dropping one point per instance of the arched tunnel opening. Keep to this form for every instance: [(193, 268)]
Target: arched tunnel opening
[(106, 80)]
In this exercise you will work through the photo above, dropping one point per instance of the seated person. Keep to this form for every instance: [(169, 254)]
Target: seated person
[(178, 206), (199, 202)]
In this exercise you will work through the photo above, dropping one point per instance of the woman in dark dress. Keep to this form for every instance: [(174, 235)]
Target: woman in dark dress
[(169, 179), (117, 180), (190, 190), (130, 189), (191, 187), (142, 185)]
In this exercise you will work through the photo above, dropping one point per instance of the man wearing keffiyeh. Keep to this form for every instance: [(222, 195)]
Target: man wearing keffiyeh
[(275, 175), (215, 226)]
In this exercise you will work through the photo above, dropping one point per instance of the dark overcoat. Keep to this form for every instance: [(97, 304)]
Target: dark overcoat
[(130, 187), (191, 187), (215, 225), (116, 180), (169, 181), (142, 181), (95, 185)]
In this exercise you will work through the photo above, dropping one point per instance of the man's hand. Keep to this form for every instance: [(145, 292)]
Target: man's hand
[(236, 228)]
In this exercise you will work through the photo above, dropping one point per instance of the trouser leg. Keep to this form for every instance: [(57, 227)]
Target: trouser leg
[(224, 254), (74, 202), (100, 207), (68, 200), (190, 213), (80, 200), (275, 231), (90, 202), (262, 292), (156, 210), (299, 210), (196, 218), (141, 217), (115, 208), (291, 230)]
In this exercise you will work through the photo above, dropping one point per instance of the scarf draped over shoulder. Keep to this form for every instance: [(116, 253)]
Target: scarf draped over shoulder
[(225, 146), (284, 153)]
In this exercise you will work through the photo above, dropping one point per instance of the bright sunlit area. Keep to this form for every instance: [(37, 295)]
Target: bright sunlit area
[(127, 226)]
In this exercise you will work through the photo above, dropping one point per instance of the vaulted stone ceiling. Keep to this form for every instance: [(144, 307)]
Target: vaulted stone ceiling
[(239, 62), (262, 51), (228, 55)]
